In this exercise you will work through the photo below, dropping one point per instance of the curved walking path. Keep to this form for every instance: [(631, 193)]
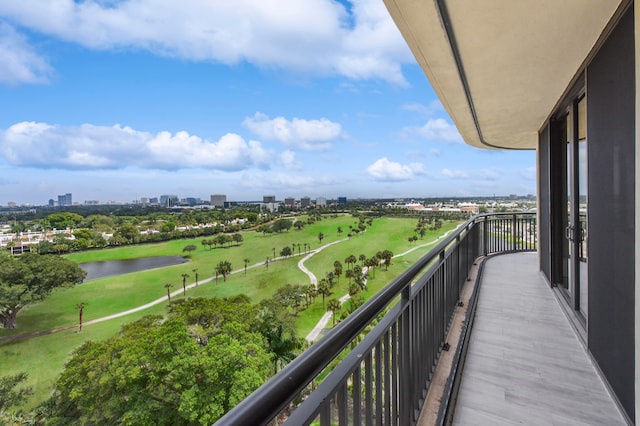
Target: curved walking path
[(312, 336), (321, 325)]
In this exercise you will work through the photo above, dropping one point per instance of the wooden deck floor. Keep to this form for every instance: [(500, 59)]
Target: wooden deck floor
[(525, 364)]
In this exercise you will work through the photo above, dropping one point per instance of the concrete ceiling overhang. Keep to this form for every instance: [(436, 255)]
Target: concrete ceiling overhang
[(500, 66)]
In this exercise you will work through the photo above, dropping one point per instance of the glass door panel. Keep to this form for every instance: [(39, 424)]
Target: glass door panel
[(582, 203), (575, 192)]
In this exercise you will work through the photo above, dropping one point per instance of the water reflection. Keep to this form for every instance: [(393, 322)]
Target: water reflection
[(109, 268)]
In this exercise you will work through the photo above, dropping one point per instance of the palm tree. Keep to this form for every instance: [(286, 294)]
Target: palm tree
[(324, 290), (337, 269), (225, 268), (80, 307), (334, 306), (349, 274), (184, 283), (195, 271), (387, 255), (168, 287), (350, 260), (246, 262), (362, 258), (281, 346), (320, 237)]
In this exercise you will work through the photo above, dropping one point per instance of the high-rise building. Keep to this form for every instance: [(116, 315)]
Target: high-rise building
[(218, 200), (268, 199), (342, 200), (321, 201), (305, 202), (65, 200), (168, 200), (290, 201)]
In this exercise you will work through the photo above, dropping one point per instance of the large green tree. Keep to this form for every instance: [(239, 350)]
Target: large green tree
[(64, 220), (30, 278), (281, 225), (153, 372)]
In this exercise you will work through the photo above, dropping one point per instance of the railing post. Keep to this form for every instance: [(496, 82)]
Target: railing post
[(485, 234), (405, 393), (513, 232), (445, 294)]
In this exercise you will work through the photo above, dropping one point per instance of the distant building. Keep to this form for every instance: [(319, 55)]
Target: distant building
[(321, 201), (266, 199), (51, 202), (91, 202), (19, 248), (153, 200), (144, 200), (218, 200), (168, 200), (305, 202), (11, 204), (289, 201), (65, 200), (271, 207), (342, 200)]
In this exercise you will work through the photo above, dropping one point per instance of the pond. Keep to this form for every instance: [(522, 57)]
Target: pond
[(109, 268)]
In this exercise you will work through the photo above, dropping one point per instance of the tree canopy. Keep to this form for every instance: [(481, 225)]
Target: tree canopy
[(189, 368), (154, 372), (30, 278)]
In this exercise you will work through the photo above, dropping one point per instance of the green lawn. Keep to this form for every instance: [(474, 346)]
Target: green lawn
[(43, 357)]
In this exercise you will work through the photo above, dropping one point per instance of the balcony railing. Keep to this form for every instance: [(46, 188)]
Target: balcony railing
[(384, 379)]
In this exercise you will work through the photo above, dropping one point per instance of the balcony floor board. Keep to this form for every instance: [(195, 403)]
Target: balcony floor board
[(525, 364)]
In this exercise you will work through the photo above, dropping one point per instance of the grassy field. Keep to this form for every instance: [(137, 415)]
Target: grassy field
[(43, 357)]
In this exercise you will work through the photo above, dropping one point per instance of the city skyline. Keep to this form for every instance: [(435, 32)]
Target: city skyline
[(122, 100)]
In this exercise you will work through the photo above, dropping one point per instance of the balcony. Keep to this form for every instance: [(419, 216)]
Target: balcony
[(524, 362), (519, 362)]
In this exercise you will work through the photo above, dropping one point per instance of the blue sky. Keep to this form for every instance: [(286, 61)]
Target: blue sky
[(122, 99)]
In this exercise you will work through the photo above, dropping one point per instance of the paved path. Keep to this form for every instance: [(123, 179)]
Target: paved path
[(312, 278), (322, 324)]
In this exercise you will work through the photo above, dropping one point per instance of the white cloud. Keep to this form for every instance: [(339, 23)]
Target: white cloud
[(41, 145), (318, 36), (288, 160), (19, 62), (437, 130), (424, 110), (312, 135), (455, 174), (385, 170)]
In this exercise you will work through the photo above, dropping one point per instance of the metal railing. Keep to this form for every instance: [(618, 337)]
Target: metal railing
[(384, 379)]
